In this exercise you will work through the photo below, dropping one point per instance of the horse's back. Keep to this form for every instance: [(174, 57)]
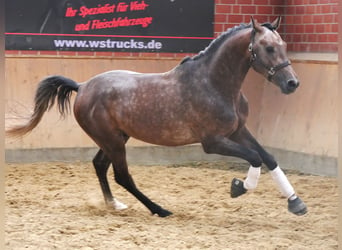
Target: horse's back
[(110, 88), (119, 79)]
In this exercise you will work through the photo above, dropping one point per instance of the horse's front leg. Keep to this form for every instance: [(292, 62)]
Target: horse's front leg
[(225, 146), (244, 137)]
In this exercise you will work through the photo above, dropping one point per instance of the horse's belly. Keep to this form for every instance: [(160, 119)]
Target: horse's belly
[(175, 136)]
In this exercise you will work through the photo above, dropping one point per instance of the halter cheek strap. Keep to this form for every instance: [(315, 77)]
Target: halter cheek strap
[(271, 70)]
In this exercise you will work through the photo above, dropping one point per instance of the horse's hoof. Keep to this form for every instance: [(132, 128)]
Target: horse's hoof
[(237, 188), (116, 204), (297, 206), (164, 213)]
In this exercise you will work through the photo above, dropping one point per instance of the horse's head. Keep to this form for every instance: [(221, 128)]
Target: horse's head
[(268, 56)]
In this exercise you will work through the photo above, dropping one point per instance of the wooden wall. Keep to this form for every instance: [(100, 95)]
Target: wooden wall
[(305, 121)]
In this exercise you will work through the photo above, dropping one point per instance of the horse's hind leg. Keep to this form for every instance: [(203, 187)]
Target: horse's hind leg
[(117, 153), (244, 137), (101, 163)]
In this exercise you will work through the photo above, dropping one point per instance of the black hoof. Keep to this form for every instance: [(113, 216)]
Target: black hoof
[(237, 189), (163, 213), (297, 206)]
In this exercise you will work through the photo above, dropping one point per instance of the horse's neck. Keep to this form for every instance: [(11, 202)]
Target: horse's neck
[(231, 63)]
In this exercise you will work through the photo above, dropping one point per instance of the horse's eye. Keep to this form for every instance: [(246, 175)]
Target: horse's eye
[(270, 49)]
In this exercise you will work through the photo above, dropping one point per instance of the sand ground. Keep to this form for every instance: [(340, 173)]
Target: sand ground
[(60, 206)]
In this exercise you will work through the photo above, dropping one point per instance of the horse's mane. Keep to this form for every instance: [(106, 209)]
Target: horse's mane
[(217, 42)]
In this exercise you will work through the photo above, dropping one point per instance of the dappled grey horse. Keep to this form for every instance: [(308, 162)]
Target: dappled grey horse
[(198, 101)]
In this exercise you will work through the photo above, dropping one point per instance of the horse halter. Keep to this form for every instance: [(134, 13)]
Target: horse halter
[(271, 70)]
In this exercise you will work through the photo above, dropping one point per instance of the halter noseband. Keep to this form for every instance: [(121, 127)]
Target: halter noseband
[(271, 70)]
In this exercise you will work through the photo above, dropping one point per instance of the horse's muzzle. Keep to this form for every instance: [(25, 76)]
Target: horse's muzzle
[(291, 86)]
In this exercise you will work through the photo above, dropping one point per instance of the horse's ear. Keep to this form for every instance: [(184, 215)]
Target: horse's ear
[(276, 23), (256, 26)]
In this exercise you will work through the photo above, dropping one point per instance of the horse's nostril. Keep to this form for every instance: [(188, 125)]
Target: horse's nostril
[(292, 83)]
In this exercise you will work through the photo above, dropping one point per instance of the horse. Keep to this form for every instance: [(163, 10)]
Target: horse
[(197, 101)]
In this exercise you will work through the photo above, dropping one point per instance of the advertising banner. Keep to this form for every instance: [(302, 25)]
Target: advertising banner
[(109, 25)]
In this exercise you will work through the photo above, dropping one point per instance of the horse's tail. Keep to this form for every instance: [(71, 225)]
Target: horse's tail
[(47, 91)]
